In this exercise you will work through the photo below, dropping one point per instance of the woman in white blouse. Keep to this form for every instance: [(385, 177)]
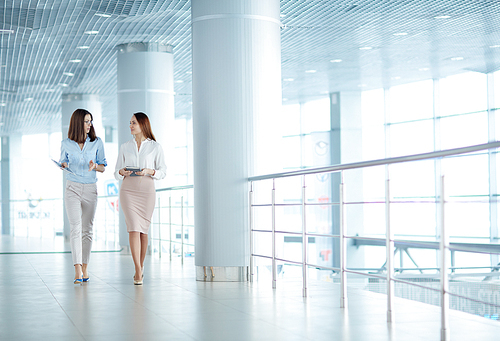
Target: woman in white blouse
[(137, 191)]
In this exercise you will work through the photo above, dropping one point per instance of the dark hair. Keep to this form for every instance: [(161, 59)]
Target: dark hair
[(143, 121), (76, 131)]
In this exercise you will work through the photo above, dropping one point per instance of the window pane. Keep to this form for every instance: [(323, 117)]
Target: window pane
[(412, 101), (317, 149), (290, 119), (467, 220), (291, 152), (411, 138), (412, 188), (466, 175), (464, 130), (496, 80), (413, 219), (373, 129), (463, 93), (316, 115), (412, 180), (497, 122)]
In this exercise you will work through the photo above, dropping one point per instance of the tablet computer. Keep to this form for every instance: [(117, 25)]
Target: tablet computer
[(133, 170), (67, 170)]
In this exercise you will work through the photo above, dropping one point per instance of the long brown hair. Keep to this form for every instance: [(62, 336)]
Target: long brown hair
[(76, 131), (143, 121)]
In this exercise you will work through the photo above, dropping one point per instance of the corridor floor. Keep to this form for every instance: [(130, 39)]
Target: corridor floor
[(38, 301)]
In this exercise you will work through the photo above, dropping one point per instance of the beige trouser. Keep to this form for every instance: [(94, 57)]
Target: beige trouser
[(81, 203)]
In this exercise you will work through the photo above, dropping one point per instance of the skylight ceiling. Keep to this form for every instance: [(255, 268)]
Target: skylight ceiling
[(52, 47)]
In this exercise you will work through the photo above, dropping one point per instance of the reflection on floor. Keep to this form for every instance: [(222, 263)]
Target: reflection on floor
[(9, 244), (38, 301)]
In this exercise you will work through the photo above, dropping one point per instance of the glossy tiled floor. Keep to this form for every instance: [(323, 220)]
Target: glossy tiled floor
[(38, 301)]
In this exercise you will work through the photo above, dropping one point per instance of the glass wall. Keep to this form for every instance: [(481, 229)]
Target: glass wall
[(410, 119)]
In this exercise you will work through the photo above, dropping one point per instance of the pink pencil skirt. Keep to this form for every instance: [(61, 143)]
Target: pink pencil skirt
[(137, 200)]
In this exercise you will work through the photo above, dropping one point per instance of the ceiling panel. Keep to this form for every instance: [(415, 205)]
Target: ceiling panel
[(46, 48)]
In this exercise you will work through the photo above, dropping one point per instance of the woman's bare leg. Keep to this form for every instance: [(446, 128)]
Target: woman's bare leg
[(78, 271), (144, 248), (85, 271), (135, 248)]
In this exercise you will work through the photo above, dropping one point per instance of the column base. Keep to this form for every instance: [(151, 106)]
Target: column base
[(221, 273)]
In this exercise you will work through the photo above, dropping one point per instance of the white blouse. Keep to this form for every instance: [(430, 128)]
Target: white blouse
[(150, 155)]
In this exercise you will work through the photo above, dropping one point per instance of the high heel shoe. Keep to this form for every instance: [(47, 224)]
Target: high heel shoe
[(139, 282), (77, 281)]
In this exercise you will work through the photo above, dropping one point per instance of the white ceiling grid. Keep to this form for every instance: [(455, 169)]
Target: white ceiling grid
[(44, 40)]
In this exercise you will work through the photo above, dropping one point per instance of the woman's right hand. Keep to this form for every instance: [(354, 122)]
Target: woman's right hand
[(64, 165), (124, 172)]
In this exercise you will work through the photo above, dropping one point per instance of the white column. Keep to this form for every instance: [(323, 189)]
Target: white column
[(5, 185), (236, 92), (146, 84), (71, 102)]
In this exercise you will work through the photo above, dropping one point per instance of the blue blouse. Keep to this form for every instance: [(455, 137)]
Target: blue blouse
[(78, 159)]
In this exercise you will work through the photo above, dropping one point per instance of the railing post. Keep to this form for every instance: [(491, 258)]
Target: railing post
[(250, 217), (274, 236), (389, 247), (170, 223), (304, 239), (443, 248), (182, 229), (343, 274), (159, 227)]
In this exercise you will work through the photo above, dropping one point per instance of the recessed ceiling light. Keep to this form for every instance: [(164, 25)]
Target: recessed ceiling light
[(282, 15), (287, 79), (4, 65), (400, 34), (494, 46), (50, 90), (75, 60), (442, 17), (63, 84), (395, 77), (82, 47), (457, 58), (189, 72), (423, 69), (3, 104), (1, 123), (310, 71), (69, 74), (179, 81), (91, 32), (103, 15), (6, 31), (28, 99), (335, 60), (365, 48)]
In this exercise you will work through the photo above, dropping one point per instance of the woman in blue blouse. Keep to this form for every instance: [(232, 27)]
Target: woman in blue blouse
[(82, 153)]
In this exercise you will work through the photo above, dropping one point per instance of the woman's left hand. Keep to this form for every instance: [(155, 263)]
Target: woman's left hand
[(92, 166), (146, 171)]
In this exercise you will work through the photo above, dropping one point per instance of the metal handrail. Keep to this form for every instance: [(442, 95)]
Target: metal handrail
[(175, 188), (380, 162), (182, 225), (389, 241)]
